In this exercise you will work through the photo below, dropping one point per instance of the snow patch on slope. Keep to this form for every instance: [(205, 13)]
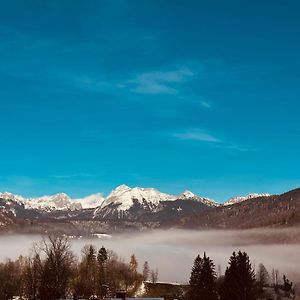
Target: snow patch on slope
[(188, 195), (239, 199)]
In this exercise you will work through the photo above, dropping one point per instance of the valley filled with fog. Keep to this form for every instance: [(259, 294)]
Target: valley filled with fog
[(173, 251)]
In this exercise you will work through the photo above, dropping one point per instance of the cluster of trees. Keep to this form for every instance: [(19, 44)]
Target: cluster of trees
[(239, 281), (53, 272)]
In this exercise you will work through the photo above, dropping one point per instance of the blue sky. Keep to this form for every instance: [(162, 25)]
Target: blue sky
[(198, 95)]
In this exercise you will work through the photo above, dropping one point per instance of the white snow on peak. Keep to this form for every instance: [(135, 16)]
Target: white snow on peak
[(238, 199), (119, 191), (186, 195), (91, 201), (60, 201), (189, 195), (10, 196), (125, 197)]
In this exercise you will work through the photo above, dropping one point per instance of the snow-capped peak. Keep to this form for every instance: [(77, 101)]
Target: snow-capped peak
[(186, 195), (189, 195), (60, 201), (10, 196), (238, 199), (125, 197), (119, 191)]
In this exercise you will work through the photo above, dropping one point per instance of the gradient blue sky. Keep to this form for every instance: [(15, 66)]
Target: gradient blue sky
[(199, 95)]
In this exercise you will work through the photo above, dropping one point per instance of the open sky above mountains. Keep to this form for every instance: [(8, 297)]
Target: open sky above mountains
[(198, 95)]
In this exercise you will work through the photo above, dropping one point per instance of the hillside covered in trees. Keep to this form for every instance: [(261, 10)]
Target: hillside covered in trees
[(275, 210)]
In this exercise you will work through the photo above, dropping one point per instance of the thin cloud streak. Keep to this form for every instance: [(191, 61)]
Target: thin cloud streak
[(203, 136), (161, 82), (197, 135)]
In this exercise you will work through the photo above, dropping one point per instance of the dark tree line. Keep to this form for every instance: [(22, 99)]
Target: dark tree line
[(238, 283), (53, 272)]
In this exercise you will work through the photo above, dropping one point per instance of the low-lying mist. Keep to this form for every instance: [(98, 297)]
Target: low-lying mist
[(173, 251)]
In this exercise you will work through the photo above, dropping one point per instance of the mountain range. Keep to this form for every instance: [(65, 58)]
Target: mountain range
[(138, 208), (123, 195)]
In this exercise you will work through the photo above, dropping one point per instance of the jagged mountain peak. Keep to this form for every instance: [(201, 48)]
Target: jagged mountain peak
[(10, 196), (125, 197), (122, 198), (59, 201)]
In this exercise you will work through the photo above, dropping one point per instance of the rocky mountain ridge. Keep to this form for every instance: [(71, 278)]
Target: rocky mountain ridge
[(123, 197), (128, 208)]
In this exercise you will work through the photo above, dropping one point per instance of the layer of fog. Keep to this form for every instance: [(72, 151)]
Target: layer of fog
[(173, 252)]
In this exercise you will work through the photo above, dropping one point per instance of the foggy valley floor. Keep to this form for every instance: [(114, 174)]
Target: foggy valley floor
[(173, 251)]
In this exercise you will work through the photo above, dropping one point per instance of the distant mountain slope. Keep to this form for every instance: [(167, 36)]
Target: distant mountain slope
[(8, 213), (276, 210), (6, 220)]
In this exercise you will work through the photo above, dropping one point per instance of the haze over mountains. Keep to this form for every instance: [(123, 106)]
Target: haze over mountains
[(138, 208)]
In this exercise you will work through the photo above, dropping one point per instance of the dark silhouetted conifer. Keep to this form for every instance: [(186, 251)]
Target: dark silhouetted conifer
[(202, 280), (239, 280)]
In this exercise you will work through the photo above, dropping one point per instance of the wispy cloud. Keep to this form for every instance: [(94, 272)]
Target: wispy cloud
[(197, 135), (161, 82), (205, 137), (205, 104)]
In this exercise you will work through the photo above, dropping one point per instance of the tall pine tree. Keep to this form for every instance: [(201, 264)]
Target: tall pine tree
[(101, 259), (202, 280), (239, 281)]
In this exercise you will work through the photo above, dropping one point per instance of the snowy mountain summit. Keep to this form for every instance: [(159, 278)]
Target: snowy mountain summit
[(125, 197), (239, 199), (60, 201), (188, 195)]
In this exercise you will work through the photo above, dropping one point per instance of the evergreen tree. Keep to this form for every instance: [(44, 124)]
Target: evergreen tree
[(196, 274), (202, 280), (239, 281), (208, 277), (101, 259), (88, 271)]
